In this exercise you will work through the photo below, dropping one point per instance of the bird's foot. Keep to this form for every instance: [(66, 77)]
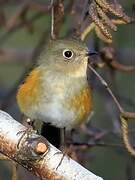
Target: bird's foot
[(25, 133), (64, 151)]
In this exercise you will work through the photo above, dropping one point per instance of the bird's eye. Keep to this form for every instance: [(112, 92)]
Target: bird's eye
[(68, 54)]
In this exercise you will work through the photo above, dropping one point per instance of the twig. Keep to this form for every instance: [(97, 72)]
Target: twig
[(124, 127), (120, 67), (7, 34), (57, 17), (93, 144), (124, 116), (52, 20), (41, 7), (20, 11), (107, 55), (107, 87), (123, 113)]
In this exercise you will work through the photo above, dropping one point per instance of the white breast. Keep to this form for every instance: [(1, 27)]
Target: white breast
[(52, 108)]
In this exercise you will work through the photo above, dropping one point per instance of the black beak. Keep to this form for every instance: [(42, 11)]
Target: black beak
[(91, 53)]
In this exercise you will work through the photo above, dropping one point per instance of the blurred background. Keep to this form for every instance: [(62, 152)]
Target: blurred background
[(25, 27)]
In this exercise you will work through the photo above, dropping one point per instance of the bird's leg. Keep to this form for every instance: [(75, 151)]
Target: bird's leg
[(63, 145), (63, 139), (65, 148)]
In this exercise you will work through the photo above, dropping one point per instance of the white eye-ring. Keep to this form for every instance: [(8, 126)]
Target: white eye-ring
[(68, 54)]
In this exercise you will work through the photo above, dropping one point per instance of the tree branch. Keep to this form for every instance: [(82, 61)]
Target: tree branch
[(36, 154)]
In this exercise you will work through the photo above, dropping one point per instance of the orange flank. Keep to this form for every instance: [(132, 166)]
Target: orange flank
[(29, 92), (82, 104)]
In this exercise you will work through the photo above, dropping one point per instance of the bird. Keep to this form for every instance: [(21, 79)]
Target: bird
[(56, 91)]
